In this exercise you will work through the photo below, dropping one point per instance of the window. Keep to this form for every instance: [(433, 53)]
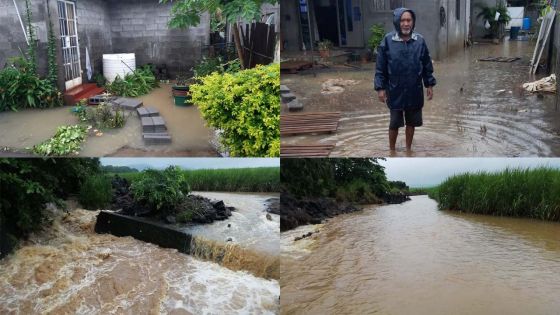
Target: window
[(458, 9), (385, 5)]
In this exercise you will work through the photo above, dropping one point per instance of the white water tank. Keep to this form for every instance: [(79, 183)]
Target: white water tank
[(118, 64)]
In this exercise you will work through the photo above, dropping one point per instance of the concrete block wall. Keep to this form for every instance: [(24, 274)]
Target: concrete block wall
[(140, 26), (12, 38)]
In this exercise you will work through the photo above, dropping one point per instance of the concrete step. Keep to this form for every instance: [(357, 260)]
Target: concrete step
[(128, 103), (156, 138), (147, 124), (284, 89), (159, 124), (147, 112), (287, 97), (295, 105), (84, 91)]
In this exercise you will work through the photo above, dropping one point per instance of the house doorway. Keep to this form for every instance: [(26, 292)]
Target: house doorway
[(69, 43), (325, 13)]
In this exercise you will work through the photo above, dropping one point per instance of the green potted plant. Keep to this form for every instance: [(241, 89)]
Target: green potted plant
[(377, 33), (325, 48), (180, 91), (489, 14)]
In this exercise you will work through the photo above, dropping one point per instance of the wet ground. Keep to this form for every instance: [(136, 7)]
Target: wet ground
[(412, 258), (69, 269), (479, 109), (190, 136)]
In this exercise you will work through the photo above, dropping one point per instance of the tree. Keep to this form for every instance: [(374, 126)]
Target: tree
[(185, 13)]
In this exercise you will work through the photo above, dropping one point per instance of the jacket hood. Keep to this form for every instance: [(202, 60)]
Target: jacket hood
[(397, 19)]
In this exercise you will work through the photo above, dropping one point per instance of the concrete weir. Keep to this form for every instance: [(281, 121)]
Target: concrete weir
[(144, 230)]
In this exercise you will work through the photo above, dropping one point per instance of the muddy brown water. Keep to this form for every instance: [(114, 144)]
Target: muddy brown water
[(71, 270), (190, 136), (414, 259), (493, 116)]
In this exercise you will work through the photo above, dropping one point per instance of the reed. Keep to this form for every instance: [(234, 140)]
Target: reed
[(533, 193), (262, 179)]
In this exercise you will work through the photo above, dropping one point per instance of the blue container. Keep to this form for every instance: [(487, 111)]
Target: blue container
[(514, 31), (526, 24)]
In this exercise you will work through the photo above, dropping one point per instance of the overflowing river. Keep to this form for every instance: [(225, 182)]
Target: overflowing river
[(71, 270), (414, 259)]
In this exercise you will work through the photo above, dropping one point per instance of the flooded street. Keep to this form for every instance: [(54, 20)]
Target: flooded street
[(414, 259), (479, 109), (248, 225), (72, 270), (190, 136)]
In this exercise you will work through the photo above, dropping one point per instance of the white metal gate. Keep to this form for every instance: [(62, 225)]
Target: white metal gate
[(69, 43)]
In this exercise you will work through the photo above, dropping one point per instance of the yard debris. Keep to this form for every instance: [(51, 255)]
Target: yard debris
[(547, 84), (335, 86)]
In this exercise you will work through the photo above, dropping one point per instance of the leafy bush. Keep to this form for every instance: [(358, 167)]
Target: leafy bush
[(104, 116), (246, 106), (212, 65), (21, 88), (67, 140), (141, 81), (96, 192), (377, 33), (162, 191)]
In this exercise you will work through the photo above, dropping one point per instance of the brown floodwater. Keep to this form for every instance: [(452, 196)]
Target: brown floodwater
[(190, 136), (491, 116), (69, 269), (414, 259)]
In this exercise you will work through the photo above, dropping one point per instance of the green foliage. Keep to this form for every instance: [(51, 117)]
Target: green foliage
[(533, 193), (489, 14), (21, 88), (186, 13), (377, 33), (31, 53), (262, 179), (209, 66), (118, 169), (67, 140), (357, 191), (325, 44), (96, 192), (100, 79), (26, 185), (245, 106), (162, 191), (140, 82), (102, 116), (52, 70)]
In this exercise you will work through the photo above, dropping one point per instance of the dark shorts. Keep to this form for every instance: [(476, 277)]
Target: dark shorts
[(413, 118)]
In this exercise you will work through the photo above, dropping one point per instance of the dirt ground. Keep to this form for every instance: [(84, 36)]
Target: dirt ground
[(479, 108)]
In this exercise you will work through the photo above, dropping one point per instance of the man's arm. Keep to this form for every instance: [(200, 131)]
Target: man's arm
[(380, 81), (427, 70)]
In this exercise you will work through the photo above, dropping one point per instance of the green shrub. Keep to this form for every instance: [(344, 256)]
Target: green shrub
[(96, 192), (209, 66), (104, 116), (21, 88), (245, 106), (67, 140), (377, 33), (162, 191), (140, 82)]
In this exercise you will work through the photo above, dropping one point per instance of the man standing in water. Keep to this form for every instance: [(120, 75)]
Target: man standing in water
[(403, 62)]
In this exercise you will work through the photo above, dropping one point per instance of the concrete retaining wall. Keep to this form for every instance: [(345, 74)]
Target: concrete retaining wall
[(144, 230)]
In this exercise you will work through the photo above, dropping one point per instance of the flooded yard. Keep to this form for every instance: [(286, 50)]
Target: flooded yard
[(479, 109), (190, 136)]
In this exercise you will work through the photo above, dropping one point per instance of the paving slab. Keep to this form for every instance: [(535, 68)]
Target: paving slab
[(284, 89), (287, 97), (128, 103), (147, 112), (295, 105), (148, 124), (159, 124), (156, 138)]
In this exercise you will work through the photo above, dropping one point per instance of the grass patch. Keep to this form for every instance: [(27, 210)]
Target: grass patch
[(96, 192), (533, 193)]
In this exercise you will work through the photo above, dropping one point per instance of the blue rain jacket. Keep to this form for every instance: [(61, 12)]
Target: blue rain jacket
[(402, 66)]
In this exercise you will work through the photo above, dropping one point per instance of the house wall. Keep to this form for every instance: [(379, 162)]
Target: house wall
[(12, 38), (478, 30), (140, 26), (289, 25)]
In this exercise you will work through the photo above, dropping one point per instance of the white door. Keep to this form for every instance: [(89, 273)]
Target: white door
[(69, 43)]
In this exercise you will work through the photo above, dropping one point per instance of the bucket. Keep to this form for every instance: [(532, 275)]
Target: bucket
[(526, 24), (118, 64), (514, 31), (180, 100)]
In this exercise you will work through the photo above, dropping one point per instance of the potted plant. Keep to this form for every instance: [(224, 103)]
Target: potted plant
[(180, 91), (325, 48), (489, 14), (377, 33)]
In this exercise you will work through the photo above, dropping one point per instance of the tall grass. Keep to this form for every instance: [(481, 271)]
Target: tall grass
[(533, 193), (262, 179)]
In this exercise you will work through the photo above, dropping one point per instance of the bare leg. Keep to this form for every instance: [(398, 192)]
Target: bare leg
[(409, 137), (393, 133)]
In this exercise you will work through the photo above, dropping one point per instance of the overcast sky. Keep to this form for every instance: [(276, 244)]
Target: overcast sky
[(425, 172), (191, 163)]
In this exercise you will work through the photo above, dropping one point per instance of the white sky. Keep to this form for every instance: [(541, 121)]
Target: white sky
[(192, 163), (425, 172)]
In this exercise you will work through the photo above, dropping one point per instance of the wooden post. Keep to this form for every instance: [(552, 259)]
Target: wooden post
[(237, 40)]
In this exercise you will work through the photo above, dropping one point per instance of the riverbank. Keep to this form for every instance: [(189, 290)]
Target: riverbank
[(531, 193), (412, 258)]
